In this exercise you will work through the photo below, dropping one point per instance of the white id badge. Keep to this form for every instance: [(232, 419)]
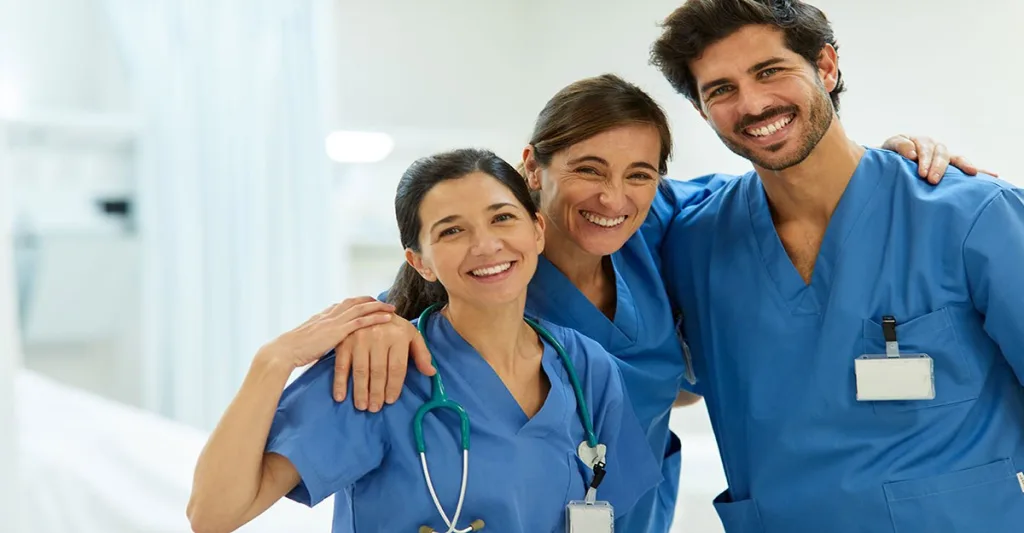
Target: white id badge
[(886, 378), (583, 517)]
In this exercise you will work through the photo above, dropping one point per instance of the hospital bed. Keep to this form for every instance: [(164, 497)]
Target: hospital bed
[(90, 465)]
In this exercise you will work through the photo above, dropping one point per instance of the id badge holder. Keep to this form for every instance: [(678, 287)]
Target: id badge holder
[(587, 517), (591, 515), (894, 376)]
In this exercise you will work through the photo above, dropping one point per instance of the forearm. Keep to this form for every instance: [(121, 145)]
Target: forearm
[(230, 470)]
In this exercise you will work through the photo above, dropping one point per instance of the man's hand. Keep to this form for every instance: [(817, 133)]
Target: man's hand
[(378, 357)]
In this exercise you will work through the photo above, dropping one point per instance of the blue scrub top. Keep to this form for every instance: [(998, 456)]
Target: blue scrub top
[(775, 356), (642, 336), (522, 471)]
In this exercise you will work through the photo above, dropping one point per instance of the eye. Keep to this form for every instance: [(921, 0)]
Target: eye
[(586, 170), (768, 72), (719, 91), (449, 231), (641, 176), (504, 217)]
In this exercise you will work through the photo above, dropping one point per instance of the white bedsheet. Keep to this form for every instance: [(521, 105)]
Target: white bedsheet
[(90, 465)]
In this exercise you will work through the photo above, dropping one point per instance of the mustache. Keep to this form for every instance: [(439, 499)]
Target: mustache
[(750, 120)]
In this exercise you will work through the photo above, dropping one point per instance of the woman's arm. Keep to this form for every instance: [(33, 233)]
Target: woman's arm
[(235, 480)]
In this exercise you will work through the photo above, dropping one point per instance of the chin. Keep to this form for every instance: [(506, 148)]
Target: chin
[(778, 161), (603, 245), (496, 299)]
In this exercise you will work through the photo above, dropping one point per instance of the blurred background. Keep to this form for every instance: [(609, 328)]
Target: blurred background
[(182, 180)]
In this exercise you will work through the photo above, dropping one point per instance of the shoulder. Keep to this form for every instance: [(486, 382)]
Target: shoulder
[(314, 384), (729, 193), (705, 217), (674, 195), (957, 199)]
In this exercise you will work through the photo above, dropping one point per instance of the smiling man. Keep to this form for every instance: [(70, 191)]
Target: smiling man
[(858, 334)]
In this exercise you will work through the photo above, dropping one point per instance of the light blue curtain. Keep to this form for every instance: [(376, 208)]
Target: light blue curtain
[(233, 188)]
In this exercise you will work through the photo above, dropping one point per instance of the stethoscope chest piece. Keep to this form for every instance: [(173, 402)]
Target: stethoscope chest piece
[(591, 455)]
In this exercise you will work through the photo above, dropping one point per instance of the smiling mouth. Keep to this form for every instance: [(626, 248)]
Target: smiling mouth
[(781, 123), (490, 271), (604, 222)]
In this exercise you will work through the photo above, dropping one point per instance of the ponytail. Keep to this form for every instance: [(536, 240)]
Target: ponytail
[(411, 294)]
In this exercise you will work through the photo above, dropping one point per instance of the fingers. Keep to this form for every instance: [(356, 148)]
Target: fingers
[(421, 356), (348, 303), (361, 373), (963, 164), (989, 172), (363, 309), (902, 145), (378, 375), (398, 363), (342, 365), (925, 152)]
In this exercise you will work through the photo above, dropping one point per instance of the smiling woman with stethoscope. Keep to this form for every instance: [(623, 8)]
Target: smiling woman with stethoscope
[(529, 419)]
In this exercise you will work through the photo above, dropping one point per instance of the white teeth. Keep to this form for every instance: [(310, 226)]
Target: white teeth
[(764, 131), (490, 271), (602, 221)]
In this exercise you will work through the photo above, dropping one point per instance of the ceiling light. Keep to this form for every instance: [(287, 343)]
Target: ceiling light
[(358, 146)]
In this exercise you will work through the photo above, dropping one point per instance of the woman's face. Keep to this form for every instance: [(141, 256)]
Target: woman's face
[(477, 240), (598, 192)]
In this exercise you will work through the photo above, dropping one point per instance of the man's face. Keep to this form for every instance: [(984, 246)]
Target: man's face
[(766, 103)]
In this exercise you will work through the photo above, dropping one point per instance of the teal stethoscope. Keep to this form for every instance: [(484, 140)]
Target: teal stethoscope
[(439, 400)]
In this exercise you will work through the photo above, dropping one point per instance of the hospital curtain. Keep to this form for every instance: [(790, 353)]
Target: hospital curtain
[(233, 195)]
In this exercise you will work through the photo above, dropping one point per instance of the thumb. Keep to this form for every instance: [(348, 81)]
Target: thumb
[(421, 356)]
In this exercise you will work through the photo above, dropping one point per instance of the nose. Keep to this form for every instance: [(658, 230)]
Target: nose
[(613, 196), (753, 101), (486, 242)]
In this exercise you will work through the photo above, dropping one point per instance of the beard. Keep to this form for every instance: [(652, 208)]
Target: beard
[(819, 119)]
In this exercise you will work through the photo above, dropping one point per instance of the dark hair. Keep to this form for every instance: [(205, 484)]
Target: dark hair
[(592, 106), (411, 294), (697, 24)]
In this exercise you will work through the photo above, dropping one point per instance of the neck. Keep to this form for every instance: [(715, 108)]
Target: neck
[(582, 268), (498, 333), (811, 190)]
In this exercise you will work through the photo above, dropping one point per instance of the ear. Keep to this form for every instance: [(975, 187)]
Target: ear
[(700, 110), (532, 168), (828, 67), (539, 225), (415, 260)]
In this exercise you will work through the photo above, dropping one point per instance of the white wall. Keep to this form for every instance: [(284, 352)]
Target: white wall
[(64, 98), (60, 56), (10, 356)]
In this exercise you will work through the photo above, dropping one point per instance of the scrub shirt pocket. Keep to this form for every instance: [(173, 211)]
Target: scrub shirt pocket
[(986, 498), (738, 517), (933, 334)]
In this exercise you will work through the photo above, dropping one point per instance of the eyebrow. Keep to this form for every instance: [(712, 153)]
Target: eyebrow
[(452, 218), (758, 66), (595, 159)]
